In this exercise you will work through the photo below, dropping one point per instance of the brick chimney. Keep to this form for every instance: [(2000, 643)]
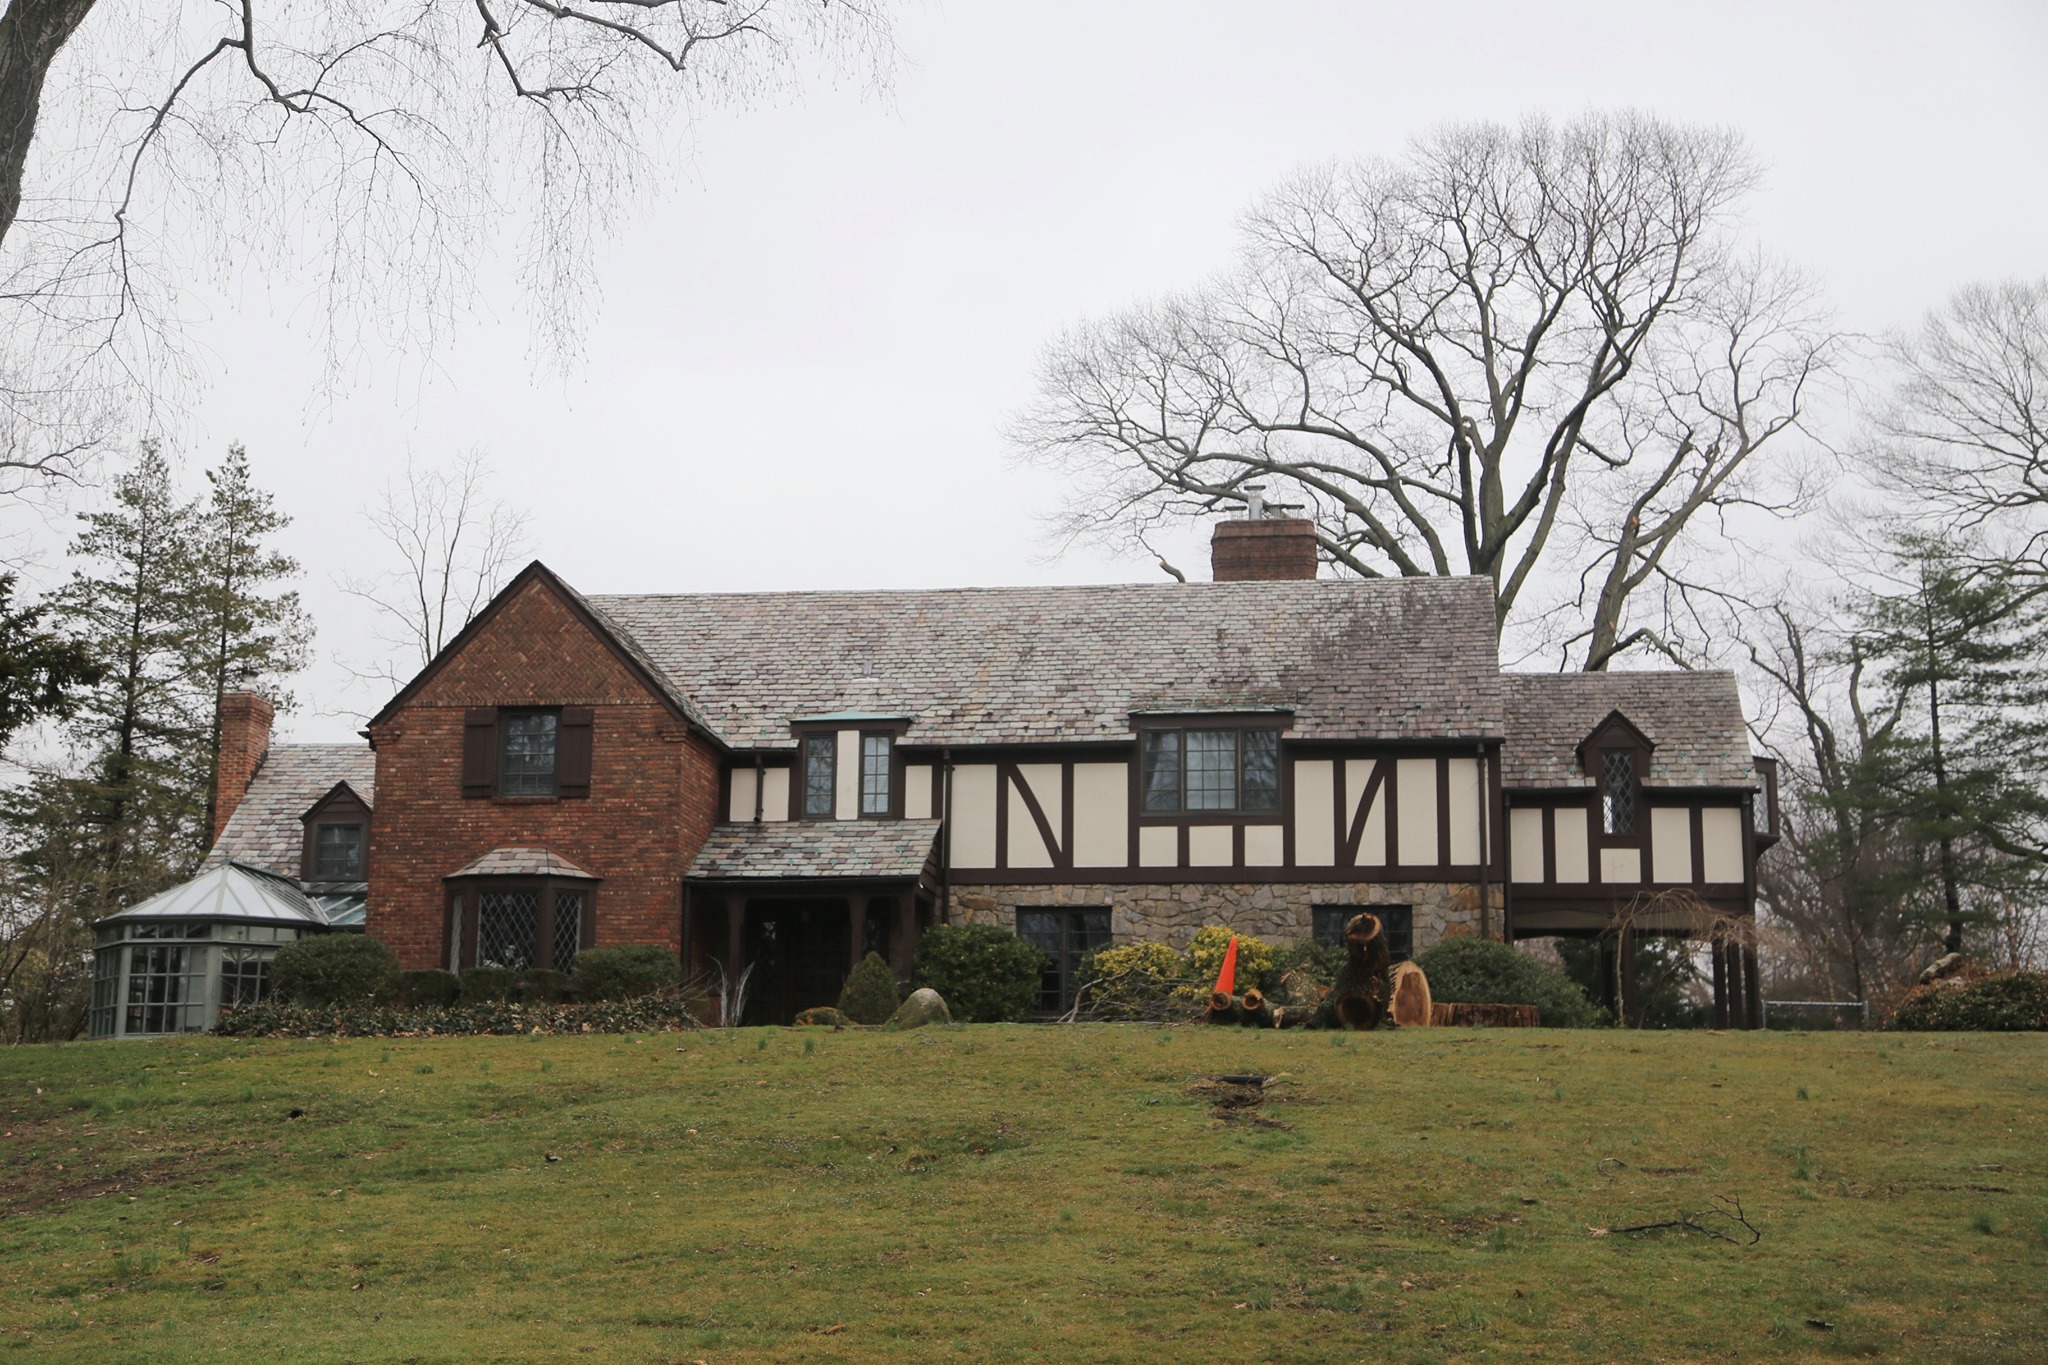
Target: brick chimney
[(1267, 548), (244, 739)]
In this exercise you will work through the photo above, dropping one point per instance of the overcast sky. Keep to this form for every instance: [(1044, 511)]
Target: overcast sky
[(803, 357)]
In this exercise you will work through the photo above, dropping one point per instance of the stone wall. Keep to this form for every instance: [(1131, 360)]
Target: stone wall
[(1276, 912)]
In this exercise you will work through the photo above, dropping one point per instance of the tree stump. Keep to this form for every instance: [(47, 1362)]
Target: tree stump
[(1449, 1014)]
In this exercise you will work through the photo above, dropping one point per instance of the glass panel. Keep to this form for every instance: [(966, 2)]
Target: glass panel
[(156, 989), (244, 976), (526, 755), (505, 924), (568, 928), (1160, 757), (820, 775), (1329, 922), (1618, 787), (1065, 937), (1261, 786), (338, 852), (874, 774), (1042, 930), (106, 989), (1397, 922), (1212, 769)]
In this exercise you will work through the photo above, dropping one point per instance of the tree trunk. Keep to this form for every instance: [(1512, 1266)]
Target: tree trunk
[(1950, 895), (32, 32)]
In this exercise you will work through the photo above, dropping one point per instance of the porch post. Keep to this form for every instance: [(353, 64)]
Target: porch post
[(903, 943), (1718, 950), (1753, 989), (735, 938), (857, 927)]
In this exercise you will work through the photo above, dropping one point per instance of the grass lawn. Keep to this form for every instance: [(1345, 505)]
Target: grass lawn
[(1024, 1193)]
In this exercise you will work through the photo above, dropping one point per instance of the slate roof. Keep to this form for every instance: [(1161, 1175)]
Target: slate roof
[(816, 848), (1694, 718), (1410, 658), (265, 831), (521, 862)]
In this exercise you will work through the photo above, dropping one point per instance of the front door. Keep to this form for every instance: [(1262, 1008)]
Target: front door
[(799, 948)]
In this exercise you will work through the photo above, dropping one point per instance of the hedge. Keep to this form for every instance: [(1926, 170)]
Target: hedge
[(648, 1014), (333, 969), (2007, 1002), (621, 973), (1484, 971)]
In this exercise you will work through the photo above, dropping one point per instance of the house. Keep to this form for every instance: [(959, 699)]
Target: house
[(785, 781)]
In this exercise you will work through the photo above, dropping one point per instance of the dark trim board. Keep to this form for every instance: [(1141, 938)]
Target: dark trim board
[(1263, 875)]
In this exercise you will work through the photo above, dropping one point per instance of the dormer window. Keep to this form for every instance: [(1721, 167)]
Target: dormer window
[(877, 759), (1226, 770), (821, 776), (338, 853), (1618, 792)]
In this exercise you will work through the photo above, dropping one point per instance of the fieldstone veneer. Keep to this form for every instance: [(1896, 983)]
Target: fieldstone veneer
[(1278, 914)]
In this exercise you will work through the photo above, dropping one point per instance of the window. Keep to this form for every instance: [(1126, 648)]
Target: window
[(876, 754), (1618, 792), (526, 753), (338, 853), (821, 776), (520, 924), (1209, 770), (244, 976), (1065, 937), (506, 924), (159, 989), (1397, 922)]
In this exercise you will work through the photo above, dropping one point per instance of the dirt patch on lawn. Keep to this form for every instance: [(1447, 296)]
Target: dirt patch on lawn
[(1240, 1103), (48, 1163)]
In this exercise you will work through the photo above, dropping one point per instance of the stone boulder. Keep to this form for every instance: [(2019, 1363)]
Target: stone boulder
[(925, 1006)]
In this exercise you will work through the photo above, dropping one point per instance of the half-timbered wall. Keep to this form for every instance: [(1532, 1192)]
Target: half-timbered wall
[(1686, 842)]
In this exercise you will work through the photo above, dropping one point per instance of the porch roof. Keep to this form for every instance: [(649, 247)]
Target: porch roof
[(826, 849), (521, 862)]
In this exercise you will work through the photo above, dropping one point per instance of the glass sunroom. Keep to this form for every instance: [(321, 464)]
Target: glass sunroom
[(171, 963)]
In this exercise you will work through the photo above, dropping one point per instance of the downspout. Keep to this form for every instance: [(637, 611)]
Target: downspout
[(1485, 850), (946, 837), (758, 795)]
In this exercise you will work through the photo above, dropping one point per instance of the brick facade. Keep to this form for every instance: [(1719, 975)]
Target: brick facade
[(1258, 551), (245, 719), (653, 790)]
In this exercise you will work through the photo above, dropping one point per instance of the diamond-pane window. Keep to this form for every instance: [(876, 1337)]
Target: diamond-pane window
[(1618, 792), (568, 928), (505, 924), (821, 776)]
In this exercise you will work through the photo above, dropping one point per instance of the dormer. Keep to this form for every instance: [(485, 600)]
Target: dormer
[(336, 847), (1616, 757), (847, 766)]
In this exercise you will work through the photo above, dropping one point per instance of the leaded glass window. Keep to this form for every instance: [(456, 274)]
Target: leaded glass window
[(1210, 770), (1397, 923), (338, 852), (1618, 792), (526, 753), (568, 928), (875, 763), (505, 925), (821, 776), (1065, 936)]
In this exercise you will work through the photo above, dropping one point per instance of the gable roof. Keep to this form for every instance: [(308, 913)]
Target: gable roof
[(265, 830), (1694, 719), (1410, 658)]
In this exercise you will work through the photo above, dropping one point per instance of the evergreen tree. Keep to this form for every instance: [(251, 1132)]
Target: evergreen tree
[(42, 673), (246, 633)]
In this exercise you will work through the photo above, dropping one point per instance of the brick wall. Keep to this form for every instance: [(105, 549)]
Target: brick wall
[(653, 784), (245, 719), (1272, 547)]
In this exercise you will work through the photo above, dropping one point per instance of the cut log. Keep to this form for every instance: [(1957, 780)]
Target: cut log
[(1449, 1014), (1254, 1012), (1223, 1009), (1412, 1005)]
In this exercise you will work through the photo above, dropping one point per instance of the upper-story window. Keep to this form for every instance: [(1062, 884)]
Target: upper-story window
[(1210, 770), (1617, 792), (821, 776), (338, 853), (877, 757), (526, 753)]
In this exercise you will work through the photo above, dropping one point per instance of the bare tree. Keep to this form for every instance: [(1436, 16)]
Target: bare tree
[(1965, 435), (1449, 358), (374, 148), (456, 545)]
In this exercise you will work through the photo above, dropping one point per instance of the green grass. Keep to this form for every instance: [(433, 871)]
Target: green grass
[(1020, 1193)]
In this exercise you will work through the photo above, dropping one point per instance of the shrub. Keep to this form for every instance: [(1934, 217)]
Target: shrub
[(543, 985), (1254, 958), (431, 987), (869, 996), (484, 984), (625, 972), (1484, 971), (1155, 972), (986, 974), (333, 969), (649, 1014), (2009, 1002)]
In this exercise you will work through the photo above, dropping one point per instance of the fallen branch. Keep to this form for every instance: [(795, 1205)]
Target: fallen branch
[(1718, 1223)]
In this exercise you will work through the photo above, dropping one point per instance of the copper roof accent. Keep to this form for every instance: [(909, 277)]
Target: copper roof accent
[(521, 862), (265, 830), (1410, 658), (783, 849), (1694, 719)]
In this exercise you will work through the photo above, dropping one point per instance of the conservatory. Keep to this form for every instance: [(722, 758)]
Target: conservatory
[(171, 963)]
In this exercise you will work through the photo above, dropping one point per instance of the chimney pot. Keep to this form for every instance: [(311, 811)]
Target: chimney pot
[(1269, 548), (245, 719)]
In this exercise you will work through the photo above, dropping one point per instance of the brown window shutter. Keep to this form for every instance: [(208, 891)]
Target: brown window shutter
[(479, 751), (572, 752)]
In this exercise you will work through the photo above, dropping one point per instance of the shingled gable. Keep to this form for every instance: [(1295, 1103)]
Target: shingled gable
[(1394, 659), (1692, 721), (622, 646)]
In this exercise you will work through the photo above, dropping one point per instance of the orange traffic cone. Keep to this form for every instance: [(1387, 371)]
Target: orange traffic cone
[(1226, 980)]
